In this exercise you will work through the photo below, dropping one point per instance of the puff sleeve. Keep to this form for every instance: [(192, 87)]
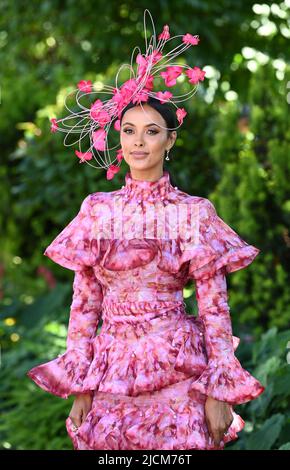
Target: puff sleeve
[(65, 375), (76, 246), (224, 378), (218, 248)]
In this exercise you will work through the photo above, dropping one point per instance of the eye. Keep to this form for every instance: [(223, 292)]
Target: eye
[(149, 130), (153, 130)]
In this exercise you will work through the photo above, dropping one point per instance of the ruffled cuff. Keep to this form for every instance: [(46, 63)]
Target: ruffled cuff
[(64, 375), (226, 380)]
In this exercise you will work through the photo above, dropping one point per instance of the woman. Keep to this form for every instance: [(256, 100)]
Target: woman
[(154, 377)]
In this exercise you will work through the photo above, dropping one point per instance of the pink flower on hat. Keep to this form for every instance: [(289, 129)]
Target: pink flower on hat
[(128, 87), (140, 96), (84, 155), (126, 92), (163, 96), (195, 75), (156, 56), (120, 155), (99, 114), (99, 139), (85, 86), (145, 62), (171, 74), (180, 113), (165, 33), (54, 125), (111, 171), (189, 39), (149, 82), (142, 64), (117, 98), (96, 106), (117, 125)]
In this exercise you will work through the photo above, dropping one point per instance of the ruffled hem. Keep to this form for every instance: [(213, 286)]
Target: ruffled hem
[(62, 376), (117, 422), (129, 367), (147, 365), (153, 362), (228, 381)]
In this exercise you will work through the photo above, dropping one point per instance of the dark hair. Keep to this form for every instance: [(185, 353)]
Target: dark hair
[(166, 110)]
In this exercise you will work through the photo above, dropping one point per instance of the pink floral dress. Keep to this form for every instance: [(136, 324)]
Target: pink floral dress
[(151, 365)]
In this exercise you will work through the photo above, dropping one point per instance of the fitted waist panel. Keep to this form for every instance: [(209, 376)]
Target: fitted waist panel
[(139, 311), (144, 294)]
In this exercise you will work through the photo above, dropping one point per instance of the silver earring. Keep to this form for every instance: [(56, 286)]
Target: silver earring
[(167, 158)]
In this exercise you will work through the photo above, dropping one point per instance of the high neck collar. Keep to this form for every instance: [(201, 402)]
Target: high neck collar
[(147, 190)]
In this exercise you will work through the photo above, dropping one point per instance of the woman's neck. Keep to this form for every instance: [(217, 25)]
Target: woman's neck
[(147, 175)]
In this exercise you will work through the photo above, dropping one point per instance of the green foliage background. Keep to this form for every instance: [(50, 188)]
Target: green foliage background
[(233, 148)]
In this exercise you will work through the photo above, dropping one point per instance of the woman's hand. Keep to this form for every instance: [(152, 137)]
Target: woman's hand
[(81, 406), (218, 418)]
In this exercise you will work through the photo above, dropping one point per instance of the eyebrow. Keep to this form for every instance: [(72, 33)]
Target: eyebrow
[(147, 125)]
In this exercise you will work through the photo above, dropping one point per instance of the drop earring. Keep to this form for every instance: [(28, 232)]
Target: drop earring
[(167, 158)]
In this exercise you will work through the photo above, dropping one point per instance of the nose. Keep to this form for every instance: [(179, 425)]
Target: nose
[(139, 143)]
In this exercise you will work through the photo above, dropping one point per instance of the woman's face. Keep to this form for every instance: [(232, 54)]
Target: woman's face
[(141, 132)]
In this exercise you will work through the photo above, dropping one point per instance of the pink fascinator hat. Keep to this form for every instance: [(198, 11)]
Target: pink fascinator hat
[(92, 118)]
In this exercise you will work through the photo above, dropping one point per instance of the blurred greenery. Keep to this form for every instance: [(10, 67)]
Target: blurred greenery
[(233, 148)]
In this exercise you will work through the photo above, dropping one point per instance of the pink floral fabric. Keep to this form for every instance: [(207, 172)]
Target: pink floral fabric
[(148, 364)]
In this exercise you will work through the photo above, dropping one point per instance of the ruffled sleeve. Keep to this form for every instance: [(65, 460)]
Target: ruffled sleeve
[(218, 251), (224, 378), (215, 246), (65, 375), (75, 246)]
